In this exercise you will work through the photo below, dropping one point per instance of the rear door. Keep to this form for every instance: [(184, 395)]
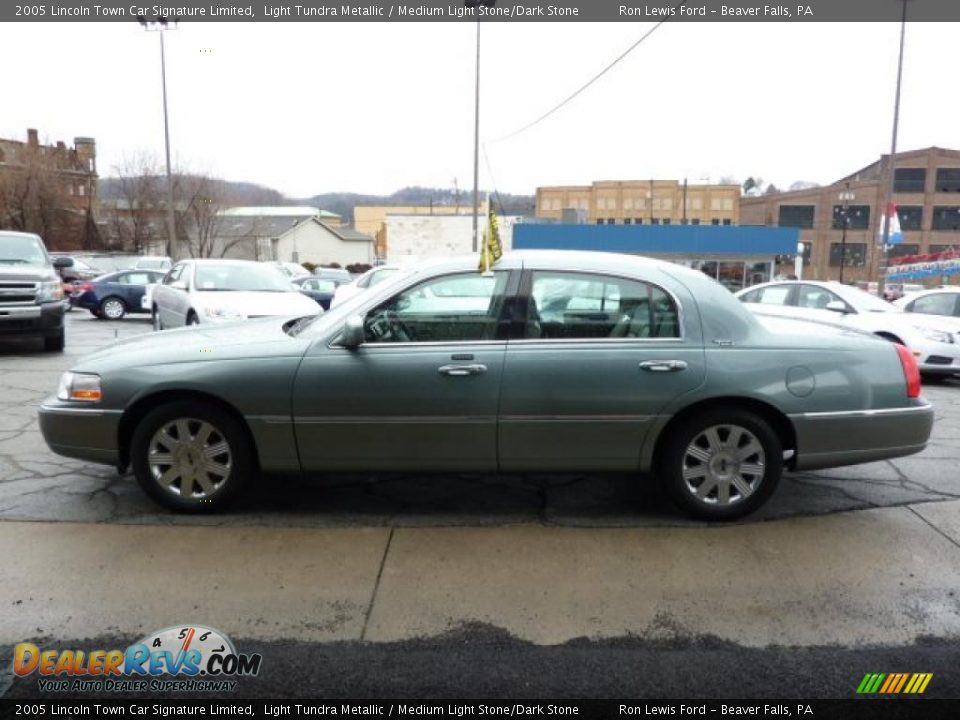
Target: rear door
[(598, 358)]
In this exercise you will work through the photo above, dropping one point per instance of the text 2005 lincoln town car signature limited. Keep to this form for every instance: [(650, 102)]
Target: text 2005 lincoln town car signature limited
[(553, 362)]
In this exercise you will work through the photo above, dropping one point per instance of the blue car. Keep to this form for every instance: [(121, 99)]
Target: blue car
[(112, 296), (319, 287)]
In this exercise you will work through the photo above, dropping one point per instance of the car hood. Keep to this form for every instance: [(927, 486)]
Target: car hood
[(243, 339), (258, 303), (26, 273)]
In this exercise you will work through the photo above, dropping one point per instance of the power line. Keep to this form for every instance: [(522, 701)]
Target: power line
[(592, 80)]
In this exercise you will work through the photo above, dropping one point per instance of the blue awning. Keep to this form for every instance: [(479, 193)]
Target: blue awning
[(690, 241)]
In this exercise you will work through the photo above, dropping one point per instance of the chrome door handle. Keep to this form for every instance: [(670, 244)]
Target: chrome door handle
[(663, 365), (462, 370)]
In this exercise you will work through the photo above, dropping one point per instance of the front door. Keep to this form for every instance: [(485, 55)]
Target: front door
[(601, 356), (420, 393)]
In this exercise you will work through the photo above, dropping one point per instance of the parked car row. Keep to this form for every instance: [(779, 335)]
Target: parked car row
[(551, 362), (934, 340)]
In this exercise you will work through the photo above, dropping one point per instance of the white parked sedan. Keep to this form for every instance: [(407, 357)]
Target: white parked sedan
[(943, 302), (204, 291), (372, 277), (934, 341)]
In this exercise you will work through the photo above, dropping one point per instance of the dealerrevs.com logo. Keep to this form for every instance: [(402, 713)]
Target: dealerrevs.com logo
[(187, 658)]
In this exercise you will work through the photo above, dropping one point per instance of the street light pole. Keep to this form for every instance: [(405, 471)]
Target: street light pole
[(882, 266), (162, 25), (846, 196)]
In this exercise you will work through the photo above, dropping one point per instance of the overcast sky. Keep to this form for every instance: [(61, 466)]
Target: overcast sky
[(372, 107)]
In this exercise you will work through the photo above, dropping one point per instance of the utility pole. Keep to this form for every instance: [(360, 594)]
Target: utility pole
[(684, 221), (882, 265)]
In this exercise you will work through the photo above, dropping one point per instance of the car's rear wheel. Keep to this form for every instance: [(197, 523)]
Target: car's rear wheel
[(722, 464), (55, 343), (155, 318), (113, 308), (192, 318), (191, 456)]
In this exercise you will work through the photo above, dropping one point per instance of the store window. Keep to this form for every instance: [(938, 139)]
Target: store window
[(855, 254), (798, 216), (909, 180)]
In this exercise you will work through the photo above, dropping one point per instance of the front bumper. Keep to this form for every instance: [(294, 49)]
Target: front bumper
[(85, 433), (45, 319), (831, 439)]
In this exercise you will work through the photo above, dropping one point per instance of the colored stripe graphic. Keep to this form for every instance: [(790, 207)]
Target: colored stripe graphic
[(894, 683)]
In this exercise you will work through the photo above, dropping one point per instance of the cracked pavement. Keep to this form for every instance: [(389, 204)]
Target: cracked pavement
[(35, 484), (497, 586)]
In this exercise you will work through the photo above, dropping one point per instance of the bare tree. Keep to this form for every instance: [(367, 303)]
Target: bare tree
[(201, 223), (136, 221), (804, 185), (33, 195)]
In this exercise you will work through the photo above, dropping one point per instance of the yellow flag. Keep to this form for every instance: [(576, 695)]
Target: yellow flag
[(492, 249)]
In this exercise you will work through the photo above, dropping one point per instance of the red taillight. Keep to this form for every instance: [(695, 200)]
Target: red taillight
[(83, 287), (911, 373)]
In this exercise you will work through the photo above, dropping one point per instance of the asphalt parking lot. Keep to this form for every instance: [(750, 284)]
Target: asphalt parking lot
[(585, 575)]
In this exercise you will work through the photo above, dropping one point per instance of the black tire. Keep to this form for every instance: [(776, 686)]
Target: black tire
[(192, 318), (155, 319), (237, 457), (96, 314), (675, 460), (55, 343), (112, 308)]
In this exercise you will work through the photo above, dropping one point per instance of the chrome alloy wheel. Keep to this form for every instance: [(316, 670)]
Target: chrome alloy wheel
[(189, 458), (724, 465), (113, 309)]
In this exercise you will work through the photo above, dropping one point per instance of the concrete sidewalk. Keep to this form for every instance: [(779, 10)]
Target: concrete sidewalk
[(877, 576)]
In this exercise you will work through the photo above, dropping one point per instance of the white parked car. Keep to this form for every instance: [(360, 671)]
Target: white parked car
[(373, 276), (204, 291), (943, 301), (291, 269), (934, 341), (153, 262)]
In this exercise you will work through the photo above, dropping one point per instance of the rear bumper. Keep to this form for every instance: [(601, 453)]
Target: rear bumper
[(45, 319), (84, 433), (831, 439)]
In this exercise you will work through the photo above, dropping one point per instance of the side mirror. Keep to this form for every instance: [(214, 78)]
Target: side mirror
[(352, 334), (837, 306), (63, 262), (178, 285)]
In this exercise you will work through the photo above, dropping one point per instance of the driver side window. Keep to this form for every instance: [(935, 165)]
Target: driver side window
[(453, 308)]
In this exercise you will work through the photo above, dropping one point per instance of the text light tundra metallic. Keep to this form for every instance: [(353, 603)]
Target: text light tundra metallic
[(661, 372)]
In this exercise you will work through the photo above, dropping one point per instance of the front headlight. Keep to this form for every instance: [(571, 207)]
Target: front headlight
[(936, 335), (84, 387), (216, 313), (50, 291)]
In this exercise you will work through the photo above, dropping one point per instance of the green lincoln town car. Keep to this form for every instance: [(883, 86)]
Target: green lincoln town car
[(553, 361)]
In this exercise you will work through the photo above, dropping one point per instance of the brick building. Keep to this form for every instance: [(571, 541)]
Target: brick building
[(926, 193), (50, 190), (642, 202)]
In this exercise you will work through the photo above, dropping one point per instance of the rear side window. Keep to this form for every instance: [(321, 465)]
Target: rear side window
[(816, 298), (936, 304), (574, 306), (774, 295)]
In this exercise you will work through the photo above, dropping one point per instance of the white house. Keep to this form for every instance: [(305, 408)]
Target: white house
[(290, 234), (421, 237)]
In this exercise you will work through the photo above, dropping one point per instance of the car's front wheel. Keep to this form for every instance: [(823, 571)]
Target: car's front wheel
[(191, 456), (155, 317), (722, 464)]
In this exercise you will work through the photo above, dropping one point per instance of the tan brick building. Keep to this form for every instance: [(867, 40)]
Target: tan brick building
[(50, 190), (643, 202), (927, 195)]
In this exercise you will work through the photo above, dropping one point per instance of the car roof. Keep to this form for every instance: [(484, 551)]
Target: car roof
[(559, 259)]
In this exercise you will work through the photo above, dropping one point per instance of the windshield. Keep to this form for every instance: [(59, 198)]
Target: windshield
[(16, 250), (220, 278), (864, 301)]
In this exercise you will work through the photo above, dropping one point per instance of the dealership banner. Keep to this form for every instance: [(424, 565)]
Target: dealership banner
[(486, 10), (538, 708)]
